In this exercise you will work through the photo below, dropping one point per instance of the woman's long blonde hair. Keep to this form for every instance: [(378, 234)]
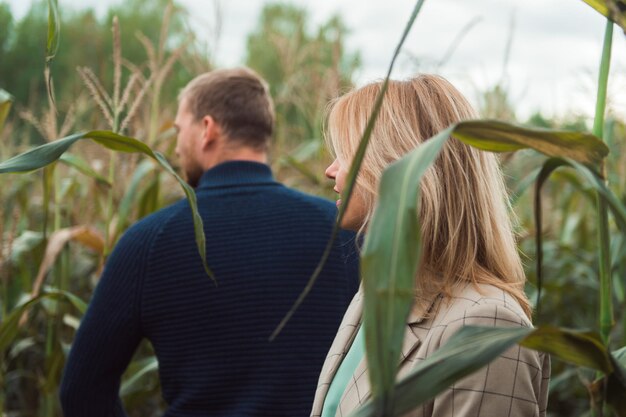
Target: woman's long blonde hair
[(465, 225)]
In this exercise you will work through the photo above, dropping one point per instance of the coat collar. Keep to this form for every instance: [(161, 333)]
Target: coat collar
[(338, 350), (410, 342), (236, 173), (343, 341)]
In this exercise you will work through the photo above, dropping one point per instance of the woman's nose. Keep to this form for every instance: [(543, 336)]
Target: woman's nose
[(331, 171)]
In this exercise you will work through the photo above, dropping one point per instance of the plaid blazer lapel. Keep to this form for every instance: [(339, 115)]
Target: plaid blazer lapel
[(338, 350), (358, 390), (415, 327)]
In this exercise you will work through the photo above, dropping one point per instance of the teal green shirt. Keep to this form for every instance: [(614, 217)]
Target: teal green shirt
[(343, 375)]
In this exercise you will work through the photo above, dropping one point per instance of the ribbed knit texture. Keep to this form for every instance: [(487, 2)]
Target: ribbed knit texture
[(263, 243)]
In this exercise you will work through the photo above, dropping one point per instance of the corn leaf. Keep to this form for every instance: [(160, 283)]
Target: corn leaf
[(149, 198), (467, 351), (82, 166), (54, 365), (49, 153), (611, 9), (354, 169), (301, 167), (473, 347), (132, 191), (10, 325), (496, 136), (5, 106), (54, 31), (25, 243), (579, 348), (85, 235), (389, 262), (135, 382), (52, 45), (620, 356), (593, 180), (392, 247)]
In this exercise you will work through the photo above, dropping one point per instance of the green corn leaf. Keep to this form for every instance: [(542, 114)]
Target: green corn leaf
[(579, 348), (392, 247), (548, 167), (82, 166), (354, 169), (10, 325), (522, 186), (389, 262), (593, 180), (473, 347), (467, 351), (149, 198), (620, 356), (52, 44), (54, 366), (303, 168), (49, 153), (133, 384), (24, 244), (6, 100), (54, 30), (132, 191), (496, 136)]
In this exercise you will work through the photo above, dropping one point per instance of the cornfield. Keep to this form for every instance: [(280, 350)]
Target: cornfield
[(76, 175)]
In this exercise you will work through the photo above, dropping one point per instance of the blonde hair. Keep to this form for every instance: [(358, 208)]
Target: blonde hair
[(465, 225)]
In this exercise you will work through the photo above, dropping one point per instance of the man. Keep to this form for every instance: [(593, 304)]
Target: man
[(263, 243)]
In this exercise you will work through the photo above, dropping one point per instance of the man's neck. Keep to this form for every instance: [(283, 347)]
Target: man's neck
[(244, 154), (237, 154)]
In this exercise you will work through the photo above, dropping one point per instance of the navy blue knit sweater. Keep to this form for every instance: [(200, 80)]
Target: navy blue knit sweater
[(263, 243)]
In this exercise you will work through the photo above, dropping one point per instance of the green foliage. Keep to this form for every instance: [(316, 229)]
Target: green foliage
[(54, 31), (392, 252), (390, 256), (25, 45), (49, 153), (354, 169), (6, 26), (473, 347), (24, 49)]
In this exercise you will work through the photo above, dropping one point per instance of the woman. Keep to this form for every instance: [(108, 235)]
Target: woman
[(470, 272)]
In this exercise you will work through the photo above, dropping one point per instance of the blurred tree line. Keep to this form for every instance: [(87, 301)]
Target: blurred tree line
[(305, 66), (85, 41)]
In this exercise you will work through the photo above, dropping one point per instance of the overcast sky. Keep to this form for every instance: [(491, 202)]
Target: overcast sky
[(552, 67)]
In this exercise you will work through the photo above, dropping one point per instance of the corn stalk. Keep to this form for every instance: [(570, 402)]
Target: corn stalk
[(606, 305)]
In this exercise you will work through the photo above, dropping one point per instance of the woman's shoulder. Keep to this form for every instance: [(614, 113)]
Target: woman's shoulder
[(480, 305)]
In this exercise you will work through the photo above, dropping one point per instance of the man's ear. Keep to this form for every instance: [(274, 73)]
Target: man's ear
[(211, 132)]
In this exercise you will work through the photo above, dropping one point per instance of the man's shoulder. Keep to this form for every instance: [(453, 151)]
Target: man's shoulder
[(305, 199), (155, 221)]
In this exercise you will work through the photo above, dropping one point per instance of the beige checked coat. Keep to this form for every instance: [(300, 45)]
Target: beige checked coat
[(514, 385)]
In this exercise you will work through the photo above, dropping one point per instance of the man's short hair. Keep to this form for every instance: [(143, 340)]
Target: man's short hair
[(238, 99)]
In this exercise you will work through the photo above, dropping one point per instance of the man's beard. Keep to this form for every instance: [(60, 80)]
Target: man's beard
[(193, 174)]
